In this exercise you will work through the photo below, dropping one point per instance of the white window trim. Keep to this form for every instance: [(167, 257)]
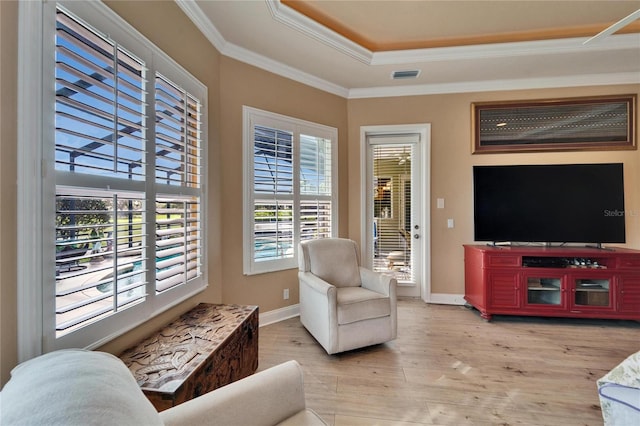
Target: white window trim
[(30, 173), (296, 126), (34, 118)]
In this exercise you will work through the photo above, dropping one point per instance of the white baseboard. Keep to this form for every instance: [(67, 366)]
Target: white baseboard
[(278, 315), (446, 299)]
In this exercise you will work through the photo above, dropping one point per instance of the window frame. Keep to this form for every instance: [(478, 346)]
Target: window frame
[(253, 117), (37, 175)]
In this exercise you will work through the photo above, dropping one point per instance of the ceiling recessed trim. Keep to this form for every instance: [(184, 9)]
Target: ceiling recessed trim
[(311, 11), (496, 85), (299, 22), (626, 21), (505, 50)]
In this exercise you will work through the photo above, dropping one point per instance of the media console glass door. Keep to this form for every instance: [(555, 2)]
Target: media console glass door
[(594, 292), (544, 290)]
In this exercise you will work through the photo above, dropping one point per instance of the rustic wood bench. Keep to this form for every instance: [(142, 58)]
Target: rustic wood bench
[(206, 348)]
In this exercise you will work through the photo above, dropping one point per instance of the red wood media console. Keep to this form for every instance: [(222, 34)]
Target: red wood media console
[(555, 282)]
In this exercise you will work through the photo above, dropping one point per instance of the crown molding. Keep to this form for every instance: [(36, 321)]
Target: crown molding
[(268, 64), (200, 20), (498, 85), (505, 50)]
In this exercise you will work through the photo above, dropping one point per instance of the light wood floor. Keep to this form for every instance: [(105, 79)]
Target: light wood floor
[(450, 367)]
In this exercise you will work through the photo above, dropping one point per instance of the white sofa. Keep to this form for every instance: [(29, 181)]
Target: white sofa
[(343, 305), (619, 392), (78, 387)]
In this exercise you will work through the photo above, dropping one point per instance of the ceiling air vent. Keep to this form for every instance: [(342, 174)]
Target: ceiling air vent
[(402, 75)]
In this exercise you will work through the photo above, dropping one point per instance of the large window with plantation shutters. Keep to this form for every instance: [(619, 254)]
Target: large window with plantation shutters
[(124, 207), (290, 188)]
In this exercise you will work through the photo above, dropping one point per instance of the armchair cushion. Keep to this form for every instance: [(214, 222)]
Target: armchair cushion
[(358, 303), (75, 387), (327, 254)]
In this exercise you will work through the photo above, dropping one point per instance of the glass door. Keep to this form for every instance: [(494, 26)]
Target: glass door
[(544, 290), (395, 229), (592, 293)]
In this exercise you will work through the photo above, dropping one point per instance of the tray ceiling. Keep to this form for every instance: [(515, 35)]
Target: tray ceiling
[(352, 48)]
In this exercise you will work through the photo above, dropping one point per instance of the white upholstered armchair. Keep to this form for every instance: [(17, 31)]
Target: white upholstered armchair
[(343, 305)]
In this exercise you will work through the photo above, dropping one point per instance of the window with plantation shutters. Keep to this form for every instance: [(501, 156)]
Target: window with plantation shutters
[(178, 177), (127, 142), (289, 188)]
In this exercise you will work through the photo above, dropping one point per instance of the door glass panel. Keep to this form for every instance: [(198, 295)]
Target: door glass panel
[(592, 292), (543, 290), (392, 210)]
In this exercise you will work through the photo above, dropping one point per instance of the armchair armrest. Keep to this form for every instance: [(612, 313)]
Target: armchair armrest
[(318, 309), (375, 281), (265, 398), (316, 283)]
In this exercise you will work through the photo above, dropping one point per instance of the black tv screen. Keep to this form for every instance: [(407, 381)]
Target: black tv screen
[(567, 203)]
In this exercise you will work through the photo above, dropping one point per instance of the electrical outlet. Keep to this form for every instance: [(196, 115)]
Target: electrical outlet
[(449, 223), (285, 294)]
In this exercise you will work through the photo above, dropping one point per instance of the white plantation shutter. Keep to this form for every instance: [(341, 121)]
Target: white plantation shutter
[(99, 130), (289, 186), (97, 239), (99, 104), (178, 165), (178, 242), (315, 219), (273, 161), (273, 186), (178, 122), (129, 200), (315, 187)]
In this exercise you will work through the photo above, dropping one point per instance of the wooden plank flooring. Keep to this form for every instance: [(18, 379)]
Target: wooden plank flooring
[(450, 367)]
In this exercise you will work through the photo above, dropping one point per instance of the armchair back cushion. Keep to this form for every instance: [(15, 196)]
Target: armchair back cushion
[(335, 260), (75, 387)]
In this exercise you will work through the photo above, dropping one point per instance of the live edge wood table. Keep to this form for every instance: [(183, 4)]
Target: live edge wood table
[(206, 348)]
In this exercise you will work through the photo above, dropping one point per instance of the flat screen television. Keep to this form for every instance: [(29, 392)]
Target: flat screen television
[(566, 203)]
